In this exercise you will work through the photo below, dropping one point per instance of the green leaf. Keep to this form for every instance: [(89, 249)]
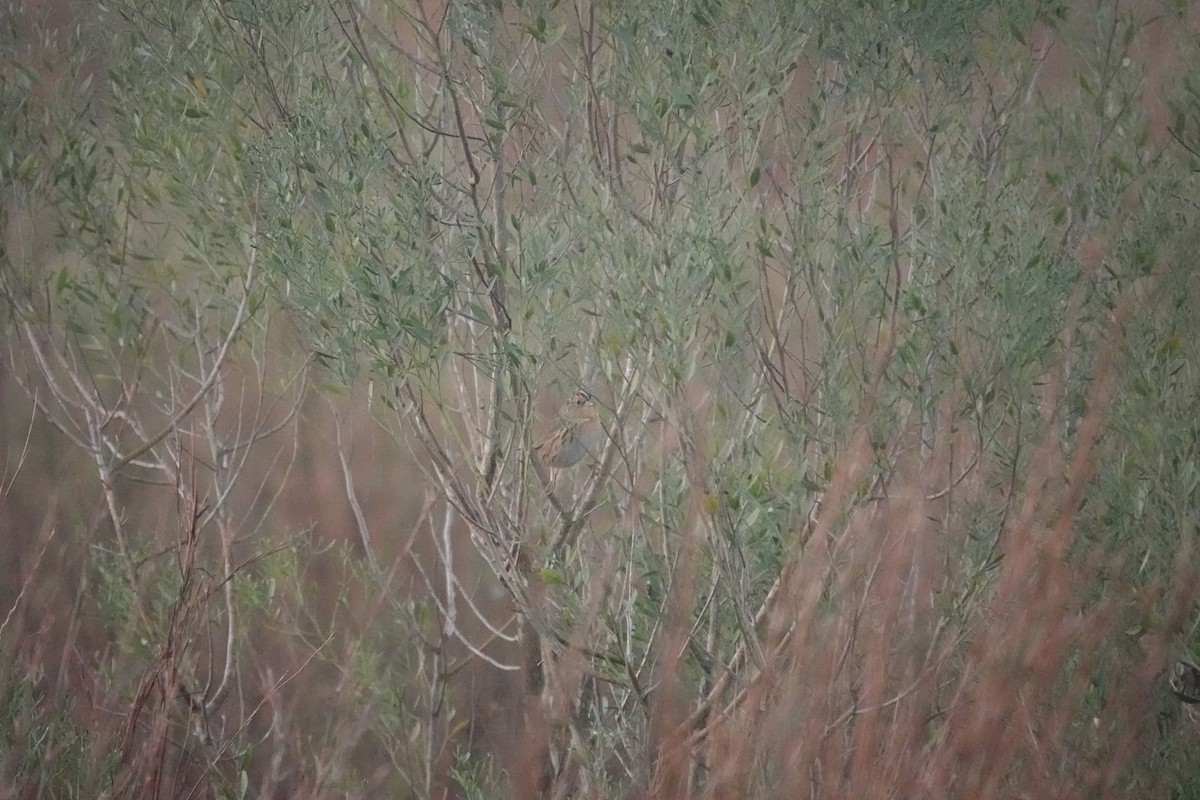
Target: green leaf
[(681, 98), (552, 38), (551, 577), (26, 166)]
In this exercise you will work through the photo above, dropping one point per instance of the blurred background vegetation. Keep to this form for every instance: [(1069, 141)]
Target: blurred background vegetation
[(891, 310)]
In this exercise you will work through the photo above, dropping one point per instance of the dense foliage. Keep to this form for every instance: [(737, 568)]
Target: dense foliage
[(891, 311)]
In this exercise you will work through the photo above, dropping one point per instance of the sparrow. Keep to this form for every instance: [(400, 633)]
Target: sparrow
[(580, 434)]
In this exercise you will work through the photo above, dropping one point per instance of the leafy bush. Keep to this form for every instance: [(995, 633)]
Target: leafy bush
[(891, 318)]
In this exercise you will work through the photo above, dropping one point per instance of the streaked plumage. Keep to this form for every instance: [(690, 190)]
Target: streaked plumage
[(580, 434)]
